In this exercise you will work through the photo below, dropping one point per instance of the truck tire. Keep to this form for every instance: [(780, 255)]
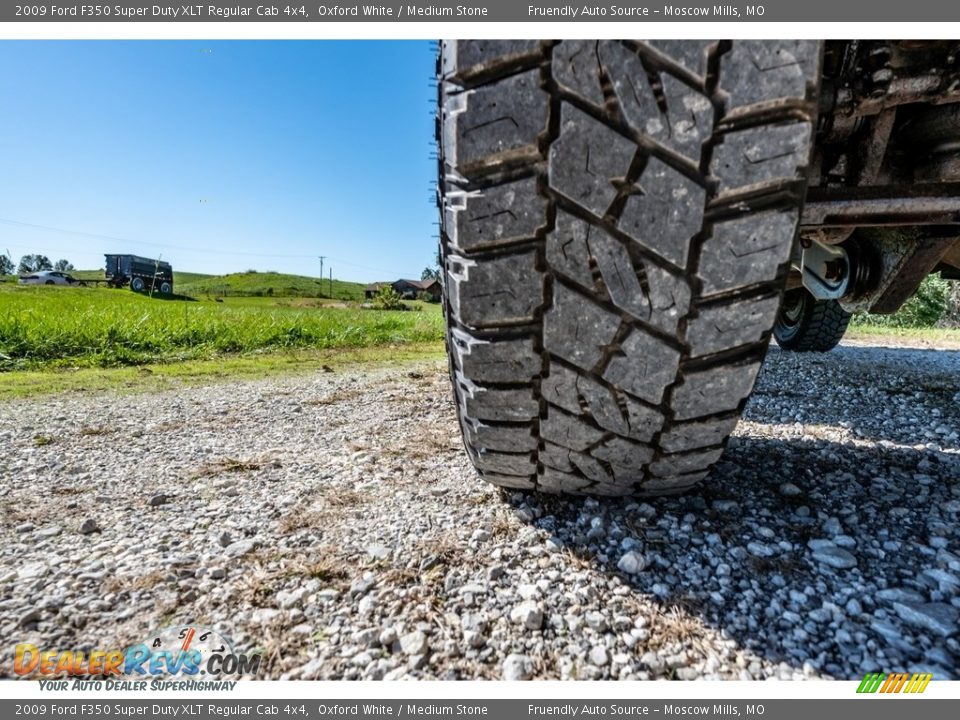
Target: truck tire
[(616, 226), (137, 284), (806, 324), (166, 288)]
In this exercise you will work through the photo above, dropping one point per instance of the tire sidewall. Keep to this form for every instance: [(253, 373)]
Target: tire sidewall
[(789, 333)]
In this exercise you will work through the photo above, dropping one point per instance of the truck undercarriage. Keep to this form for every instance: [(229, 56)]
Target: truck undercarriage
[(883, 206)]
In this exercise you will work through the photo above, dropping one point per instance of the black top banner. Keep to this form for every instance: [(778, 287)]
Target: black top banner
[(484, 11)]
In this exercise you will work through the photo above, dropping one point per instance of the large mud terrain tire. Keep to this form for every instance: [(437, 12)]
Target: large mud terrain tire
[(617, 221), (805, 324)]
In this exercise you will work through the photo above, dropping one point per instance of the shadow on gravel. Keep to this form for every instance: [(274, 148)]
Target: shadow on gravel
[(899, 395), (834, 548)]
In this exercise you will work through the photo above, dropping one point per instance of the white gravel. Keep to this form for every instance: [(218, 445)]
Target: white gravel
[(334, 521)]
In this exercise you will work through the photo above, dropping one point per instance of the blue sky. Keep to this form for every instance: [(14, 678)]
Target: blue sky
[(221, 156)]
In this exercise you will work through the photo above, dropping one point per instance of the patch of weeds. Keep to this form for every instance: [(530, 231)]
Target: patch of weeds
[(65, 490), (335, 397), (398, 577), (299, 520), (313, 516), (501, 526), (42, 440), (675, 626), (327, 570), (97, 430), (443, 551), (232, 465), (127, 583), (785, 566), (343, 498)]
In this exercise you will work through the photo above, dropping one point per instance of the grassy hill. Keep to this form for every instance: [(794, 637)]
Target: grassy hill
[(268, 284), (247, 284)]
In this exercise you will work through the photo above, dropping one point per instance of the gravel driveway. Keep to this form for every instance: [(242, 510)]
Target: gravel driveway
[(334, 522)]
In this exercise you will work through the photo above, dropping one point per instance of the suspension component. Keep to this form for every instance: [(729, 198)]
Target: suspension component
[(835, 272), (825, 270)]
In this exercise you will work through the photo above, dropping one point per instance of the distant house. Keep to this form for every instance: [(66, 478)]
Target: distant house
[(407, 289), (371, 290)]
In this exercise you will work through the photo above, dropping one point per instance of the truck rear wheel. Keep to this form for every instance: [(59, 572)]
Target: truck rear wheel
[(617, 221), (806, 324), (137, 284)]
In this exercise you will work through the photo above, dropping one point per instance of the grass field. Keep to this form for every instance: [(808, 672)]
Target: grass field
[(946, 338), (268, 284), (56, 327), (251, 284)]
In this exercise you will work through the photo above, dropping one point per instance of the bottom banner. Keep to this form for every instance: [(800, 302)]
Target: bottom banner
[(881, 708)]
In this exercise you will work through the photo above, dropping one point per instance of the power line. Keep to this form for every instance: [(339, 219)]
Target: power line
[(98, 236), (113, 238)]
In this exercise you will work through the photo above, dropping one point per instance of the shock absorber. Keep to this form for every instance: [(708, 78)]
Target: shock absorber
[(835, 272)]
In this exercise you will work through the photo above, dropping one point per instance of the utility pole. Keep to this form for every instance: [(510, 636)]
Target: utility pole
[(322, 258), (331, 282)]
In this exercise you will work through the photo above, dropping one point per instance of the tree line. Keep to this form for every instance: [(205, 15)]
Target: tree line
[(33, 263)]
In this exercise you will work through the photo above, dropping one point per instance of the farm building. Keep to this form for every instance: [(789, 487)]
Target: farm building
[(407, 289)]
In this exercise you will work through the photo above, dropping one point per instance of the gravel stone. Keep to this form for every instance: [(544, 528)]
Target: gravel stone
[(89, 526), (789, 490), (158, 500), (835, 557), (240, 548), (30, 617), (899, 595), (529, 614), (599, 657), (414, 643), (517, 667), (937, 617), (632, 563)]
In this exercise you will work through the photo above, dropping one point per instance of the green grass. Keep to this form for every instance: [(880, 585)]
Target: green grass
[(57, 327), (950, 336), (156, 377), (269, 284)]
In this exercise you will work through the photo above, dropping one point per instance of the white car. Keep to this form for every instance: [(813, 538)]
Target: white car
[(49, 277)]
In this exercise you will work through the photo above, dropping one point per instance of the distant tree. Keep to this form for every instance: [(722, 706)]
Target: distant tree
[(62, 265), (433, 273), (34, 263), (6, 265)]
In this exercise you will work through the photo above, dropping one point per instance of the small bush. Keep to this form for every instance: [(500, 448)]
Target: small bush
[(952, 317), (926, 308), (388, 299)]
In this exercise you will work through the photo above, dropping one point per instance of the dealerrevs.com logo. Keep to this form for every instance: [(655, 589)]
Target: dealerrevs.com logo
[(894, 683), (183, 651)]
